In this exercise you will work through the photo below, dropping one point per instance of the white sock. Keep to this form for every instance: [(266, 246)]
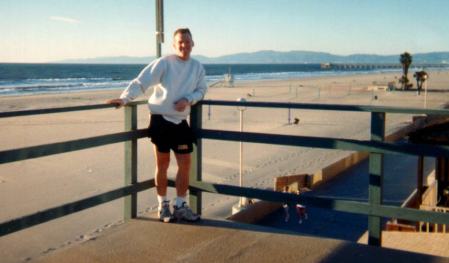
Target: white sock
[(180, 201), (160, 200)]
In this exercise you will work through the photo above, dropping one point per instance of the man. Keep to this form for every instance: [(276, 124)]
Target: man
[(178, 82)]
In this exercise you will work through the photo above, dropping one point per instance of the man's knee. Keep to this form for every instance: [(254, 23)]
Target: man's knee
[(184, 160), (162, 165), (162, 161)]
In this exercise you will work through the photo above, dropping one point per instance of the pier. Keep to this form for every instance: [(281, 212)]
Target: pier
[(374, 66)]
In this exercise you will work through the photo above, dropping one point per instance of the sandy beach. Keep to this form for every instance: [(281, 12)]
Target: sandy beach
[(37, 184)]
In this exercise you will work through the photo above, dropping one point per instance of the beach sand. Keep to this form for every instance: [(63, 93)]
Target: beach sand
[(37, 184)]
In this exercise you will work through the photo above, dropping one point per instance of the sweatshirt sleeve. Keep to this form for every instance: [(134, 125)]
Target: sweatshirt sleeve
[(200, 90), (148, 77)]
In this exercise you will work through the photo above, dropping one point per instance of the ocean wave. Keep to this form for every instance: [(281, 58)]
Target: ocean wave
[(58, 85), (69, 79)]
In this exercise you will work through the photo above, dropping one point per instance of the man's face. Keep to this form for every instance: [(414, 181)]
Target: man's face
[(183, 44)]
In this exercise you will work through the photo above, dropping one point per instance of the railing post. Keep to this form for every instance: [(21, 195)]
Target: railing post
[(130, 207), (375, 191), (420, 179), (195, 197)]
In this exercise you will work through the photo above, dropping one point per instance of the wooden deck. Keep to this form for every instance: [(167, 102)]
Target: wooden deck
[(147, 240)]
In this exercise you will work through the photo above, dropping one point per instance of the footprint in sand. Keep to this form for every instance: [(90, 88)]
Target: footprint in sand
[(98, 230), (49, 250)]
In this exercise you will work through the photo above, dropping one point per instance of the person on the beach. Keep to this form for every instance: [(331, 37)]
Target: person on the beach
[(178, 82), (285, 206), (301, 209)]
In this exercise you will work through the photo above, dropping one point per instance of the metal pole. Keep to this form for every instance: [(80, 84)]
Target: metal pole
[(289, 116), (209, 112), (159, 26), (241, 156), (425, 94)]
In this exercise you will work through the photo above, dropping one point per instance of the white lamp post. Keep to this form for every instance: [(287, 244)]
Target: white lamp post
[(425, 91), (242, 203)]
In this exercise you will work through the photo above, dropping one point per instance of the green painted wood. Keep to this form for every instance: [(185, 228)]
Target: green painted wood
[(376, 176), (288, 140), (195, 196), (17, 224), (53, 110), (332, 107), (342, 205), (130, 205), (25, 153), (309, 106), (420, 180), (328, 143), (10, 114)]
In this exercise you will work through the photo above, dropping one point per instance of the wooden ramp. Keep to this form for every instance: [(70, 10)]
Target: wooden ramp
[(148, 240)]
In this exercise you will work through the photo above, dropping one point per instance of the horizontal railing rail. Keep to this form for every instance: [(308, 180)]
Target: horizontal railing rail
[(327, 143), (73, 207), (342, 205), (25, 153), (326, 107), (9, 114)]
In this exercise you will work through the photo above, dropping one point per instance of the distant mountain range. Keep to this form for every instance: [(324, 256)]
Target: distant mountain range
[(273, 57)]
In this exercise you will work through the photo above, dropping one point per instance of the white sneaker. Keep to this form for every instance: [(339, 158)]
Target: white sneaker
[(185, 213), (164, 213)]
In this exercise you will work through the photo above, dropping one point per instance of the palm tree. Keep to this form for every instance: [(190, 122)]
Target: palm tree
[(421, 77), (406, 61)]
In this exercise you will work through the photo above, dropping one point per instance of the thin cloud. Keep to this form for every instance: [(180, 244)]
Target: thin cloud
[(65, 19)]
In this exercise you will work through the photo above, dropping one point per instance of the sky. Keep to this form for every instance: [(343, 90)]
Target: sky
[(52, 30)]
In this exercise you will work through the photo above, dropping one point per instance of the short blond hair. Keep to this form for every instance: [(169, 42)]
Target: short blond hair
[(183, 31)]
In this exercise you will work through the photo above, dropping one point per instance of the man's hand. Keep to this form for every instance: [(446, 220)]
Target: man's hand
[(181, 104), (116, 102)]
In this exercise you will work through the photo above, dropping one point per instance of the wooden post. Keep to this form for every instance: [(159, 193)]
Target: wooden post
[(195, 197), (420, 180), (130, 162), (376, 178)]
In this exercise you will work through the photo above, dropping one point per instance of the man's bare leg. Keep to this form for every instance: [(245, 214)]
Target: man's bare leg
[(182, 177), (162, 163), (181, 210)]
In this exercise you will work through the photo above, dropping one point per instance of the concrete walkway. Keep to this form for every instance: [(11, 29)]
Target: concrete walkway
[(148, 240), (420, 242), (399, 182)]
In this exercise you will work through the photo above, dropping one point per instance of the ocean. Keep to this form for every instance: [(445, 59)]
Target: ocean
[(23, 79)]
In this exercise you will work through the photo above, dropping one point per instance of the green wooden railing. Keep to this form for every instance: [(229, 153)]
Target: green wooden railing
[(374, 208)]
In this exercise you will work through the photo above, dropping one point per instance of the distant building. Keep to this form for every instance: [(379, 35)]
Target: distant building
[(325, 65)]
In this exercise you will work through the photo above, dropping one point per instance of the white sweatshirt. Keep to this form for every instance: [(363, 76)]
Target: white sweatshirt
[(172, 79)]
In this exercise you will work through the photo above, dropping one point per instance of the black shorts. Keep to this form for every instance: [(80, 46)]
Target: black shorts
[(169, 136)]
